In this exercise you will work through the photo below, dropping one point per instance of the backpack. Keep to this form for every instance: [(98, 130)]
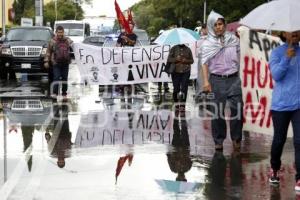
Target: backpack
[(61, 51)]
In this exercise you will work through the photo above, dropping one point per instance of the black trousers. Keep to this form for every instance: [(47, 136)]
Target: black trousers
[(281, 121), (180, 84)]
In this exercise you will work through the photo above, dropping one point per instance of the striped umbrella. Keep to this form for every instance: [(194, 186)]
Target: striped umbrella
[(177, 36)]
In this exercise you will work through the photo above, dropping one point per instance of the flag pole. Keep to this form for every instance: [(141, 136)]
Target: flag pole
[(3, 17), (117, 16)]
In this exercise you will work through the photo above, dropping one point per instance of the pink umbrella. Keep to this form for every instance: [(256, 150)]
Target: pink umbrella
[(233, 26)]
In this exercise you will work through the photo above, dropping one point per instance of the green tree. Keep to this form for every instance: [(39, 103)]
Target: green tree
[(233, 10), (66, 10), (154, 15), (23, 8), (88, 1)]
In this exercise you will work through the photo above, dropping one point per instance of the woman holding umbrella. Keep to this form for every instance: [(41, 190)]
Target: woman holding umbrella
[(285, 107)]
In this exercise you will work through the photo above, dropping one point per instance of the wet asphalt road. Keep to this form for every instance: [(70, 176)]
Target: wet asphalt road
[(96, 148)]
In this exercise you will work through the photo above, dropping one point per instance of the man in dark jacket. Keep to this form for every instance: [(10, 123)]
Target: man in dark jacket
[(182, 57), (58, 55)]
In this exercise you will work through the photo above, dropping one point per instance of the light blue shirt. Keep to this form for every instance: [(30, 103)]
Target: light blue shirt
[(286, 73)]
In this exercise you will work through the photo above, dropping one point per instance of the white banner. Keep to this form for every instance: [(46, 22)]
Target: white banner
[(257, 82), (124, 127), (126, 65)]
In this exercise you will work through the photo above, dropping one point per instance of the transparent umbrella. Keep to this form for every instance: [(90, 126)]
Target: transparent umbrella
[(178, 186), (177, 36), (279, 15)]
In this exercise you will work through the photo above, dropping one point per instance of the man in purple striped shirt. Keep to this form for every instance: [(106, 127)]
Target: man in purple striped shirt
[(220, 55)]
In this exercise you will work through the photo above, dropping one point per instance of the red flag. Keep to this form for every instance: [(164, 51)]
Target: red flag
[(121, 163), (130, 19), (121, 18)]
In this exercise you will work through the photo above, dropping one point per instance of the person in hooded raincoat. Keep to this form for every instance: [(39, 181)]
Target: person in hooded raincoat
[(220, 55)]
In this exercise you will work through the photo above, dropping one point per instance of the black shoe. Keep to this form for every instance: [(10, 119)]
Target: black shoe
[(274, 178), (236, 145), (219, 147)]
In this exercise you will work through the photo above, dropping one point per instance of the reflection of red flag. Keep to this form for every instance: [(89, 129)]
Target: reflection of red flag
[(130, 157), (121, 163), (121, 18), (13, 128)]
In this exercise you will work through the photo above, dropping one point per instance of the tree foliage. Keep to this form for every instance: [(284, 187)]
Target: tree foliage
[(66, 9), (154, 15), (23, 8)]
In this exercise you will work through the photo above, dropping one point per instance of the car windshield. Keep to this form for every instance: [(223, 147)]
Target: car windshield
[(98, 41), (72, 29), (73, 32), (28, 35), (110, 42), (142, 35)]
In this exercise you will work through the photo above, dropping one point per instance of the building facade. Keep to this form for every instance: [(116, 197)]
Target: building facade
[(8, 12)]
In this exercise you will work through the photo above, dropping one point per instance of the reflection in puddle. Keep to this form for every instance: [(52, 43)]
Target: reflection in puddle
[(132, 154), (59, 142)]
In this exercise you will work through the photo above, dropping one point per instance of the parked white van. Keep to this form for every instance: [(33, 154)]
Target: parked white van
[(74, 29)]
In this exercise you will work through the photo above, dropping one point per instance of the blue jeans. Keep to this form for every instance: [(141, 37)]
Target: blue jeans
[(281, 121), (60, 73)]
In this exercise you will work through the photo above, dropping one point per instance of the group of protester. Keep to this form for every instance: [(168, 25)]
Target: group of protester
[(219, 64)]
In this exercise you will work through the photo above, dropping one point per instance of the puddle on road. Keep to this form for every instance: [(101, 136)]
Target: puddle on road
[(84, 149)]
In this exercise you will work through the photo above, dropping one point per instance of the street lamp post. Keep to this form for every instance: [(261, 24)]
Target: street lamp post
[(55, 10), (5, 148), (77, 2), (42, 10), (204, 12), (39, 12), (3, 17)]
